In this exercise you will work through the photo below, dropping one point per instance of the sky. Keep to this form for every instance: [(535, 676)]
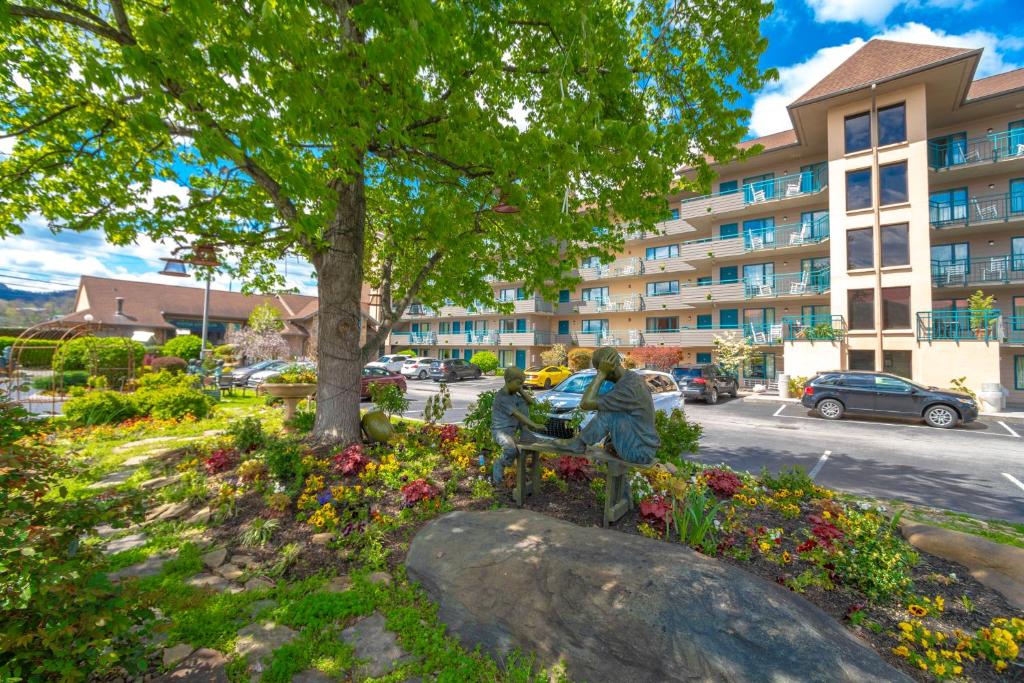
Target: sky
[(806, 40)]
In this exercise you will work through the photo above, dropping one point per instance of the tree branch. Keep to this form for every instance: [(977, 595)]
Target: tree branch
[(102, 29), (43, 121)]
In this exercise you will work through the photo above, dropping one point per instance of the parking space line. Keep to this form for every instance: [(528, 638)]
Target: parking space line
[(898, 426), (1009, 429), (1014, 480), (781, 408), (821, 463)]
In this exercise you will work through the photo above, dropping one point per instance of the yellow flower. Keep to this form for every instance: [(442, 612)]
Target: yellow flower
[(826, 514), (785, 557), (940, 604), (939, 669), (917, 610), (922, 665), (932, 655), (905, 627), (901, 651), (1000, 665), (765, 546), (957, 670)]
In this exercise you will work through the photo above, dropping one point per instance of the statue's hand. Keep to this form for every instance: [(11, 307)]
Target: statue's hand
[(606, 367)]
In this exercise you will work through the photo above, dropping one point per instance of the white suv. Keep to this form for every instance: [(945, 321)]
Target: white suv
[(389, 363), (418, 367)]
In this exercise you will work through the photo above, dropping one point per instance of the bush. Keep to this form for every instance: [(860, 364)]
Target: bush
[(407, 352), (169, 363), (477, 420), (177, 402), (284, 462), (71, 378), (109, 356), (389, 399), (100, 407), (796, 385), (677, 437), (247, 434), (579, 359), (34, 353), (186, 346), (487, 361)]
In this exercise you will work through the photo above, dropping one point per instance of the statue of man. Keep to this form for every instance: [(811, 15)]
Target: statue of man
[(625, 414), (509, 415)]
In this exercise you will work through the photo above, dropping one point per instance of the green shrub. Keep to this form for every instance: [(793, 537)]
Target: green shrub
[(109, 356), (100, 407), (34, 353), (304, 420), (165, 379), (71, 378), (407, 352), (796, 385), (487, 361), (170, 363), (247, 434), (284, 462), (880, 567), (579, 359), (677, 436), (389, 399), (186, 346), (477, 420), (793, 478), (177, 402)]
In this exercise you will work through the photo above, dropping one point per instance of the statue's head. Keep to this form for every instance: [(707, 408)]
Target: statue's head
[(605, 353), (514, 378)]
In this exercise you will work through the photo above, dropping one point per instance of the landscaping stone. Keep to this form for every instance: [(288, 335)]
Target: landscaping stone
[(323, 539), (621, 607), (106, 530), (137, 460), (260, 605), (167, 511), (200, 516), (258, 583), (173, 655), (243, 560), (151, 566), (339, 584), (230, 572), (159, 482), (377, 646), (379, 578), (257, 641), (119, 545), (215, 558), (311, 676), (113, 479), (211, 581), (203, 666)]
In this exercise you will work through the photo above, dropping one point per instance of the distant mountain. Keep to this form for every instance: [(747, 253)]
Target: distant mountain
[(21, 308)]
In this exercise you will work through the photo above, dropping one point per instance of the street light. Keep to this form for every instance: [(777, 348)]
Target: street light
[(202, 255)]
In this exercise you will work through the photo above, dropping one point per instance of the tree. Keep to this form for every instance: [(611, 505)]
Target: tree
[(487, 361), (732, 351), (579, 359), (398, 144), (266, 318), (556, 355), (255, 346), (186, 346), (660, 357)]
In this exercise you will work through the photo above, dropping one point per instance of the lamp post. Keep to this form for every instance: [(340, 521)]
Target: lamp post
[(176, 267)]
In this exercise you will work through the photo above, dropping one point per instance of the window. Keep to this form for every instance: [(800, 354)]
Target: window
[(758, 317), (814, 225), (758, 188), (859, 249), (563, 327), (704, 319), (861, 307), (892, 124), (820, 269), (596, 294), (706, 357), (948, 150), (947, 206), (658, 253), (1017, 196), (1016, 137), (444, 328), (594, 326), (729, 187), (895, 308), (1018, 372), (520, 324), (858, 189), (704, 281), (663, 288), (895, 245), (892, 183), (858, 132), (760, 366), (511, 294), (946, 255), (506, 325), (563, 296), (591, 262), (728, 231), (897, 363), (891, 385), (728, 274), (759, 274), (860, 360), (729, 318), (1017, 253), (674, 213), (759, 233), (664, 324)]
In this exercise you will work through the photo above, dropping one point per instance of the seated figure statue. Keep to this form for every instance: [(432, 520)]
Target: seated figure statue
[(509, 415), (625, 415)]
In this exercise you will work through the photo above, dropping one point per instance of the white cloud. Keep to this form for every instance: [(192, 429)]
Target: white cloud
[(874, 12), (769, 115)]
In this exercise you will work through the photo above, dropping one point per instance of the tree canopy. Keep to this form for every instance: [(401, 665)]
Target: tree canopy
[(376, 138)]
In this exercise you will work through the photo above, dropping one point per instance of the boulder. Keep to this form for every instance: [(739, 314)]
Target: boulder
[(619, 607)]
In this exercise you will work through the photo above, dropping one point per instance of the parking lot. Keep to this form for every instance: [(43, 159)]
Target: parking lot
[(977, 468)]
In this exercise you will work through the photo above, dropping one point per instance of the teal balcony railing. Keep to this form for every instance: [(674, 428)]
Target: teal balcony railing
[(958, 325), (789, 235), (793, 185), (984, 270), (985, 149), (984, 210), (420, 309), (1013, 329), (822, 326), (761, 334), (807, 282)]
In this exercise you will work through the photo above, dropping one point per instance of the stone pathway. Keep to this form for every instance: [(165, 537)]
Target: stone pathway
[(113, 479), (375, 646), (257, 642), (151, 566), (161, 439), (119, 545), (202, 666)]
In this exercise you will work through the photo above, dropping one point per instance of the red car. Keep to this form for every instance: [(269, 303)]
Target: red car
[(378, 376)]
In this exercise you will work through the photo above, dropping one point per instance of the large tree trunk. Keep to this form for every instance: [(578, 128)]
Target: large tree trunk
[(339, 356)]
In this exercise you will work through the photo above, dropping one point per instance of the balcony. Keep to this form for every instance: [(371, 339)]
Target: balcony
[(524, 338), (789, 235), (687, 336), (987, 149), (821, 327), (675, 264), (1013, 330), (611, 304), (608, 338), (620, 268), (787, 188), (958, 325), (672, 226), (413, 338), (978, 211), (531, 305), (419, 311), (804, 283), (984, 271)]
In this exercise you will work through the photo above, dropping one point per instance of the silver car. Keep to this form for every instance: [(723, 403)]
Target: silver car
[(565, 398), (258, 378), (418, 367), (390, 363)]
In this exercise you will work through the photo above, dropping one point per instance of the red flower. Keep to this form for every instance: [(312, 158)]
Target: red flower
[(809, 544), (418, 490), (220, 460), (572, 468), (656, 511), (723, 482), (351, 461)]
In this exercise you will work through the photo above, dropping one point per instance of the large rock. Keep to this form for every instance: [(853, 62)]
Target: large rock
[(618, 607)]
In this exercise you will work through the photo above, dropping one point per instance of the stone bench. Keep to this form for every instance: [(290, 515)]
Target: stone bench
[(617, 498)]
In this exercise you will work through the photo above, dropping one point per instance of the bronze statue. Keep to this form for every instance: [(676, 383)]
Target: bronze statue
[(510, 421)]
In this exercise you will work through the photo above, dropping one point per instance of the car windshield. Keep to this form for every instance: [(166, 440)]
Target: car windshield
[(384, 359), (686, 372), (577, 384), (534, 369)]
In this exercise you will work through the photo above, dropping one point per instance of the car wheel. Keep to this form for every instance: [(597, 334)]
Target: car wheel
[(423, 374), (735, 393), (830, 409), (941, 417), (711, 396), (450, 378), (547, 383)]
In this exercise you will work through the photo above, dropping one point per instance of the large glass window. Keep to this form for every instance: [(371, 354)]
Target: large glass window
[(758, 317), (758, 188), (759, 233), (948, 150), (1017, 253), (895, 308), (729, 187), (945, 256), (814, 224), (512, 294), (760, 366), (861, 360), (861, 307), (591, 262), (892, 124), (728, 231), (858, 132), (663, 324), (858, 189), (895, 245), (892, 183), (663, 252), (947, 206), (596, 294), (859, 249), (759, 274), (663, 288), (594, 326)]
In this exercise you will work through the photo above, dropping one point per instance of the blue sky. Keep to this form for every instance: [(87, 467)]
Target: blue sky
[(807, 39)]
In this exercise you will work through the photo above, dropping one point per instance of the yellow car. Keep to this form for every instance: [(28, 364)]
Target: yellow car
[(547, 376)]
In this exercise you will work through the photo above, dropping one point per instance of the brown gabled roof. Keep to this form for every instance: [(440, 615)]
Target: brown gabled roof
[(880, 60), (772, 141), (148, 304), (996, 85)]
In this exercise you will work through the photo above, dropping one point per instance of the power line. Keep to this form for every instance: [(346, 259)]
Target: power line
[(12, 272), (32, 279)]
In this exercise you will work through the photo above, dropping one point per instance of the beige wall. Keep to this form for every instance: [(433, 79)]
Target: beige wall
[(977, 361), (807, 358)]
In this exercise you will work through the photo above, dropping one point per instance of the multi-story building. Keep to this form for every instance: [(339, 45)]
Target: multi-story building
[(852, 240)]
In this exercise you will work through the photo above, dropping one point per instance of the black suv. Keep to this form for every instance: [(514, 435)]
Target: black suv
[(833, 394), (705, 381), (451, 369)]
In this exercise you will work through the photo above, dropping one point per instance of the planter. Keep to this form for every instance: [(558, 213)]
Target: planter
[(291, 394)]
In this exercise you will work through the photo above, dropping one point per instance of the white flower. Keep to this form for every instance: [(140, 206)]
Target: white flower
[(864, 505)]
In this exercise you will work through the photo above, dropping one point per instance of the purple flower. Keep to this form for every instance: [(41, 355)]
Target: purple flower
[(324, 497)]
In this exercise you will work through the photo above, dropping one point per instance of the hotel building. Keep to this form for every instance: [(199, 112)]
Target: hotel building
[(852, 240)]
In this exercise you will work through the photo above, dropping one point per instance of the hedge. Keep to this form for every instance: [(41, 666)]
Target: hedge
[(107, 356), (35, 353), (72, 378), (186, 346)]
